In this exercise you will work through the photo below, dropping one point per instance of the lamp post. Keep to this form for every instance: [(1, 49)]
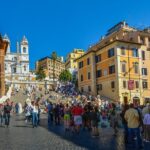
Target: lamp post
[(45, 85)]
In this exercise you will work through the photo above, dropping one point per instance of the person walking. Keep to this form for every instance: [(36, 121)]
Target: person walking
[(57, 114), (7, 110), (114, 119), (34, 114), (146, 122), (95, 118), (17, 108), (1, 114), (66, 117), (124, 122), (133, 122), (77, 112)]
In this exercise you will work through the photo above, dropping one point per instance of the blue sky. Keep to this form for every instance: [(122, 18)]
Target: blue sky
[(62, 25)]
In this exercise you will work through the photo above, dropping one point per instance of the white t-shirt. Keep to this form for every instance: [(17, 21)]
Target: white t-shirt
[(34, 109)]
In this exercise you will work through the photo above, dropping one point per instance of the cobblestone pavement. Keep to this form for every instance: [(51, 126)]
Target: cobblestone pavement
[(21, 136)]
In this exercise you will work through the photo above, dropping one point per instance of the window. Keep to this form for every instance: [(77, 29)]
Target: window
[(143, 55), (124, 84), (88, 61), (123, 52), (142, 40), (5, 67), (82, 89), (111, 52), (99, 87), (144, 71), (105, 72), (135, 52), (81, 77), (136, 67), (123, 67), (98, 58), (149, 42), (89, 88), (136, 84), (14, 70), (25, 68), (112, 69), (113, 84), (24, 50), (15, 59), (89, 75), (145, 85), (80, 64), (98, 73)]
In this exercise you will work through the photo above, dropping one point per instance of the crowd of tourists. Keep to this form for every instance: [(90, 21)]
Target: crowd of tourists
[(92, 115), (86, 113)]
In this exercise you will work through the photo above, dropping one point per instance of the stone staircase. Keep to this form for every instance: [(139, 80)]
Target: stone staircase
[(19, 97)]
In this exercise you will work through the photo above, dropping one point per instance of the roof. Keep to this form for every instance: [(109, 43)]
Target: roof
[(130, 42), (48, 57)]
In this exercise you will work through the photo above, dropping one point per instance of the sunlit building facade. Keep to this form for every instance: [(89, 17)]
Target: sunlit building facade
[(48, 65), (17, 63), (117, 67)]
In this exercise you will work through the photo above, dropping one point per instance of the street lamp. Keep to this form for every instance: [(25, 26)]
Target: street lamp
[(45, 85)]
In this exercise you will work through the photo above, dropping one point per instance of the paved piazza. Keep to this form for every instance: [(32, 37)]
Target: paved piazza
[(20, 136)]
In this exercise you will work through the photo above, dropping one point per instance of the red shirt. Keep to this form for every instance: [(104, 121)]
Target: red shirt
[(77, 110)]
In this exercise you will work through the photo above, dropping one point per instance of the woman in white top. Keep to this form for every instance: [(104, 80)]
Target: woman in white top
[(34, 114), (146, 122)]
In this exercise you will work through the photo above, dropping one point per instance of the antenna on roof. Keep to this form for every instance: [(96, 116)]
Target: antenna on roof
[(140, 26)]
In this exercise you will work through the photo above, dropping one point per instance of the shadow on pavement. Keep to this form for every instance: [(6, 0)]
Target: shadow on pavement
[(84, 140), (23, 126)]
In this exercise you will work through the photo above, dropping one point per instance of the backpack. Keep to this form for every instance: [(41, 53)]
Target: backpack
[(98, 116), (7, 109), (140, 117)]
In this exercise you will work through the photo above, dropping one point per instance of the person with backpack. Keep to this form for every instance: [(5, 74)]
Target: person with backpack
[(133, 122), (95, 118), (7, 110)]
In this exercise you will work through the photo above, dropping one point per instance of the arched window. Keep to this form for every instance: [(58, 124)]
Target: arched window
[(15, 58), (24, 50)]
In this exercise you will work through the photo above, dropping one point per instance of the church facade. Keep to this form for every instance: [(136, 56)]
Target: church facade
[(17, 63)]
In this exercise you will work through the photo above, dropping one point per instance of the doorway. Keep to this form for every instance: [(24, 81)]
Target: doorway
[(136, 101), (125, 99)]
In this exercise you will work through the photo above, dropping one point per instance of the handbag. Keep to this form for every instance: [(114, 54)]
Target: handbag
[(27, 114)]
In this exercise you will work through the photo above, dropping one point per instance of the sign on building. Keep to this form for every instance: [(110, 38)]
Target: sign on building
[(131, 84)]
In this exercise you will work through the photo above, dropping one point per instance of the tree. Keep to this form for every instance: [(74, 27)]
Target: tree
[(65, 76), (40, 74), (54, 58)]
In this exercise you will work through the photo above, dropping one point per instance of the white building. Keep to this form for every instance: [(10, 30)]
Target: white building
[(17, 63)]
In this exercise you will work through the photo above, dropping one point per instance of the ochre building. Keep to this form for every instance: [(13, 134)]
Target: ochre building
[(117, 67), (3, 48), (47, 64), (70, 63)]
